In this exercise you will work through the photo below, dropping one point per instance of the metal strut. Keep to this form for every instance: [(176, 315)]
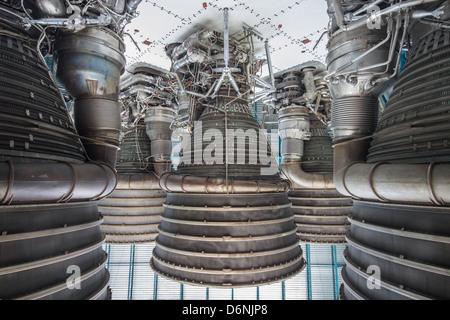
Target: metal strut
[(226, 70)]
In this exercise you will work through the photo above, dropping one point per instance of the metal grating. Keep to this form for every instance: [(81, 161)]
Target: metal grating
[(193, 292), (133, 279)]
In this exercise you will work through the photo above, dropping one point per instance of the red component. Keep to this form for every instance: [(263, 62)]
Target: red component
[(205, 4)]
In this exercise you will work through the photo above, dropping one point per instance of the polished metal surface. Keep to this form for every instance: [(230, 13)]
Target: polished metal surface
[(398, 238), (293, 129), (359, 64), (89, 65)]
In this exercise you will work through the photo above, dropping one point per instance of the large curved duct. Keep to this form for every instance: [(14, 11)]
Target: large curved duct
[(398, 239), (320, 210), (307, 155), (226, 223), (132, 212)]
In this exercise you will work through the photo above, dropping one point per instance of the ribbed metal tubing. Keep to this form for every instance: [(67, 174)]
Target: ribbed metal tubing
[(239, 118), (354, 116), (227, 240), (318, 152), (320, 215), (415, 127), (40, 243), (409, 244), (34, 119), (135, 151)]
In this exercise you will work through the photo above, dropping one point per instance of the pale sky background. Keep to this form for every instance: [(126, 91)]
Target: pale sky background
[(294, 29)]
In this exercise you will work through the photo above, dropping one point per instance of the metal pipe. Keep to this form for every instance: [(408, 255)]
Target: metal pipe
[(377, 15), (138, 181), (358, 58), (338, 12), (226, 70), (200, 38), (310, 85), (62, 22), (367, 7), (54, 182), (294, 172), (293, 129), (192, 56), (398, 183), (264, 84), (158, 120), (132, 5), (172, 182), (391, 50), (135, 78), (269, 65), (219, 83), (226, 45)]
